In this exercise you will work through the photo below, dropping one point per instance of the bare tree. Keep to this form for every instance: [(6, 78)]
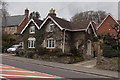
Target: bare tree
[(96, 16), (34, 15), (4, 8)]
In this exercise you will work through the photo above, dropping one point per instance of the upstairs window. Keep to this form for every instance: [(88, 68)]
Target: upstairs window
[(50, 43), (32, 29), (12, 29), (50, 28)]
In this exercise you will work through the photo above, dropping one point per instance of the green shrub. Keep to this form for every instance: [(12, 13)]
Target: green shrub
[(74, 51), (30, 54), (109, 52), (77, 59), (42, 51), (55, 52), (25, 53), (20, 52)]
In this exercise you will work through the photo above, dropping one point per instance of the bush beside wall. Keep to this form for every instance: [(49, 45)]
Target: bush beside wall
[(55, 55)]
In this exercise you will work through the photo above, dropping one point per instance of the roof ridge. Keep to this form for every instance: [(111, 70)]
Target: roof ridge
[(15, 15)]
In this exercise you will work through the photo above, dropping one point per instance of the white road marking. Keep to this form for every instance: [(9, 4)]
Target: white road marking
[(18, 71), (6, 67), (2, 77), (27, 71), (26, 76)]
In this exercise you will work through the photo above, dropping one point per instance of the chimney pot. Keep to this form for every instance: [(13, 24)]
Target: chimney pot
[(52, 12)]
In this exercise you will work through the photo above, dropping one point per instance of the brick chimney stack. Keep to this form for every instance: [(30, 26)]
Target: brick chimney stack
[(26, 12)]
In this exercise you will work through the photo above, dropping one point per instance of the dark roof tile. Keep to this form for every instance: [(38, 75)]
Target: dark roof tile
[(38, 21), (71, 25)]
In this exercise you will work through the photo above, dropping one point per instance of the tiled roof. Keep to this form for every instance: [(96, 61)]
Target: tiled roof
[(81, 25), (71, 25), (106, 26), (38, 21), (12, 20)]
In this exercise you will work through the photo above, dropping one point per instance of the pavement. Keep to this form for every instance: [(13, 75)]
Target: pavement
[(72, 67), (88, 64)]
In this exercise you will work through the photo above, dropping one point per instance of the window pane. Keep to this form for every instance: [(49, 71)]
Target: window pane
[(28, 43), (33, 43), (47, 43), (50, 43), (32, 29), (50, 27)]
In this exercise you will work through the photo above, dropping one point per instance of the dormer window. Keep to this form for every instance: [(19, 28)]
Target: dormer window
[(32, 29), (50, 28)]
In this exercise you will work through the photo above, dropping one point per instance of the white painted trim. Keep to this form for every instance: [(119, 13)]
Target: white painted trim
[(28, 76), (59, 25), (76, 30), (28, 24), (92, 28), (53, 21), (105, 19)]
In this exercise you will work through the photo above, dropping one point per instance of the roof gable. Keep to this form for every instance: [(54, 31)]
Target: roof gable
[(109, 17), (70, 26), (49, 17), (93, 28), (35, 21), (106, 26)]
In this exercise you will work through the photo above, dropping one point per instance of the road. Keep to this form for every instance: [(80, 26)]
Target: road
[(13, 73), (52, 71)]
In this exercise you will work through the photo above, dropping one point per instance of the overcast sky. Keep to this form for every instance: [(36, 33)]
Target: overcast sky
[(63, 9)]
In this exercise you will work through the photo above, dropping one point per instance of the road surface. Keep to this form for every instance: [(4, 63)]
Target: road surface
[(56, 72), (13, 73)]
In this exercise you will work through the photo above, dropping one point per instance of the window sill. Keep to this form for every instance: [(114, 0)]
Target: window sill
[(50, 47), (32, 32), (31, 47)]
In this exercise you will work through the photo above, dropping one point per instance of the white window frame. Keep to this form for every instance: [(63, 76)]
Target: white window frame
[(50, 43), (12, 29), (50, 27), (32, 31), (31, 43)]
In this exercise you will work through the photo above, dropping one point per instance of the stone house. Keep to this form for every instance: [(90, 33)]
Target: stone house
[(56, 33)]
